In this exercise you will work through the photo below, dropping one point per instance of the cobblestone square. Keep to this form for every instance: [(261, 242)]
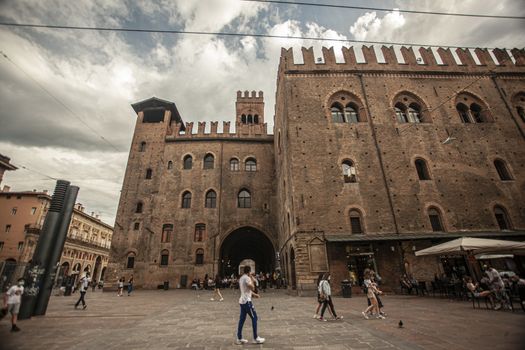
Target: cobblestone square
[(185, 319)]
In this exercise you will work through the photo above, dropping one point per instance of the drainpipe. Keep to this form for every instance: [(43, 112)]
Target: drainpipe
[(374, 136), (493, 78)]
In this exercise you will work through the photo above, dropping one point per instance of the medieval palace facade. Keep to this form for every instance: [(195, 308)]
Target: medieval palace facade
[(367, 163)]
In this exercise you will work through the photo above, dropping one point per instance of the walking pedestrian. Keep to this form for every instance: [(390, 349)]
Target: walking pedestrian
[(374, 279), (371, 291), (246, 286), (84, 285), (130, 285), (12, 300), (325, 294), (319, 300), (120, 286), (218, 282)]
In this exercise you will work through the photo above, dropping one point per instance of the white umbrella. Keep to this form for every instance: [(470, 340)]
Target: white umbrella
[(468, 245)]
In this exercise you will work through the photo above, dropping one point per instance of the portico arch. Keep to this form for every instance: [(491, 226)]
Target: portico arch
[(246, 243)]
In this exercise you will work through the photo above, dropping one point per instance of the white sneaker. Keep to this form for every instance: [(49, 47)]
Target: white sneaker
[(259, 340), (241, 341), (381, 317), (364, 315), (212, 299), (315, 316), (221, 299)]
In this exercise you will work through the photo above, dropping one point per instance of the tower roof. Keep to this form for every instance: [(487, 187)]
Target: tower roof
[(154, 102)]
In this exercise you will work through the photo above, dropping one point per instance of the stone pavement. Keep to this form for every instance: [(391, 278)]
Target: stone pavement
[(185, 319)]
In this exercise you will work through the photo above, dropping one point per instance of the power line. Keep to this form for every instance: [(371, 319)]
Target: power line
[(173, 31), (385, 9), (34, 171), (59, 102)]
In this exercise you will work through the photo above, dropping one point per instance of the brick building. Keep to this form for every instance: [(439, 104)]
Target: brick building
[(367, 163)]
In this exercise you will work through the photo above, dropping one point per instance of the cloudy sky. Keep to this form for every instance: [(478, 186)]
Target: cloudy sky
[(94, 76)]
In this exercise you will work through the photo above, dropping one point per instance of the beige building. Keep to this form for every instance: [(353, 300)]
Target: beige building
[(22, 215), (368, 162)]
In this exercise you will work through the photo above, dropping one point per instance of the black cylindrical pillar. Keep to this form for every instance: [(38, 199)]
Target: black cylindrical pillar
[(55, 252), (35, 271)]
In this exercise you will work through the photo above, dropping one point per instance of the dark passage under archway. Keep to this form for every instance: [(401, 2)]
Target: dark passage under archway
[(246, 243)]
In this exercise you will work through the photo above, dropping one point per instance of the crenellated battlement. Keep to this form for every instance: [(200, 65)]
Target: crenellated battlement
[(249, 97), (440, 59), (241, 131)]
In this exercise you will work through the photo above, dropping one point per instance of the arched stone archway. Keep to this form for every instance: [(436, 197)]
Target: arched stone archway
[(246, 243)]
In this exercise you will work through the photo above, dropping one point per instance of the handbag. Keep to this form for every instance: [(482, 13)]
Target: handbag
[(3, 312)]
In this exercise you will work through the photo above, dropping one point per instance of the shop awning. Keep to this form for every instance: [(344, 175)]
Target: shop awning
[(345, 237), (470, 245)]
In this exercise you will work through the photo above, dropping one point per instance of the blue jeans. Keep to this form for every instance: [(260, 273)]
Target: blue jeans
[(247, 309)]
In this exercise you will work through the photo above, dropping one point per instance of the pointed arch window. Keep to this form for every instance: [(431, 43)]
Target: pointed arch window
[(414, 113), (142, 146), (209, 160), (502, 169), (243, 118), (256, 119), (188, 162), (244, 199), (167, 231), (250, 165), (139, 207), (211, 199), (422, 169), (164, 257), (349, 172), (471, 109), (463, 113), (502, 218), (250, 119), (200, 232), (351, 114), (234, 164), (435, 220), (170, 165), (149, 174), (400, 113), (186, 199), (337, 113), (199, 256), (410, 109), (355, 222)]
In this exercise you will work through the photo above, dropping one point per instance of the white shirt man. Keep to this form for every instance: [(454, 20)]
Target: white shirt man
[(84, 284), (12, 300), (246, 286)]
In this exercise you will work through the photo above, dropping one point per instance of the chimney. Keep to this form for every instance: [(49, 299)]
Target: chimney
[(45, 191), (6, 188), (92, 213)]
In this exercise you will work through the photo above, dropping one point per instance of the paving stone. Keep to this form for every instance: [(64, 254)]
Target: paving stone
[(180, 319)]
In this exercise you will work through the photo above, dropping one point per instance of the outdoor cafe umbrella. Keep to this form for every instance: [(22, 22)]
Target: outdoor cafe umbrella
[(468, 246)]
